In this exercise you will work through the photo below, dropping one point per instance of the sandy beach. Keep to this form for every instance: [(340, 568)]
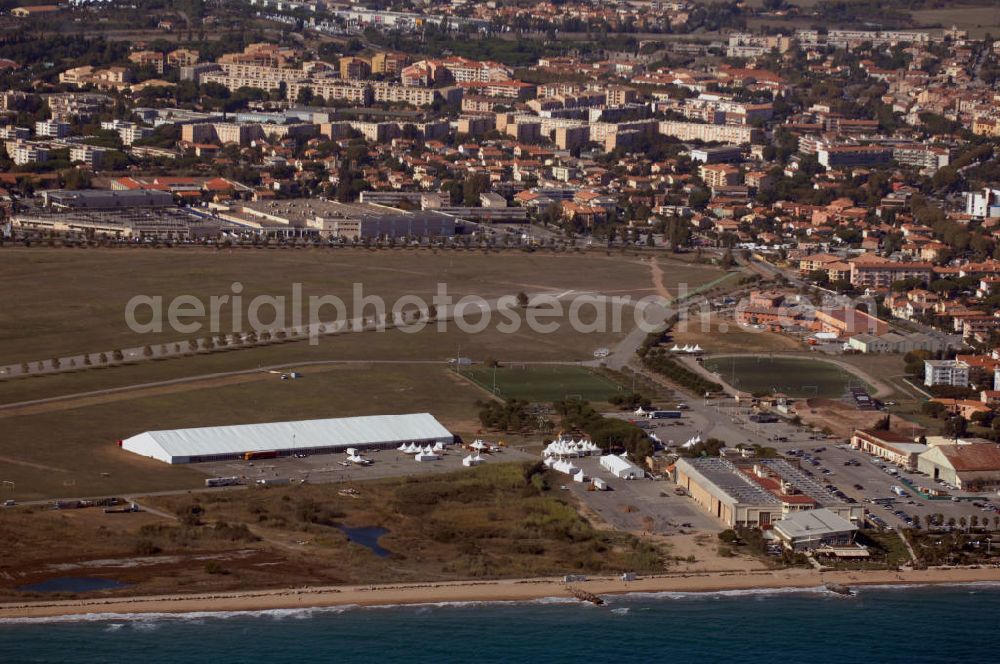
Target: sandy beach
[(481, 591)]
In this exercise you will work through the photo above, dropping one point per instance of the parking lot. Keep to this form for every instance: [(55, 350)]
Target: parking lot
[(829, 459), (639, 505)]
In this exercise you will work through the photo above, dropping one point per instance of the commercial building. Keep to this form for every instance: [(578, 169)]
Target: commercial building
[(813, 529), (756, 493), (104, 199), (970, 467), (893, 447), (352, 221), (726, 494), (287, 438), (718, 155)]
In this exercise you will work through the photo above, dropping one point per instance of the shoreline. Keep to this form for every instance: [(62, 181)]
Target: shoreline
[(506, 590)]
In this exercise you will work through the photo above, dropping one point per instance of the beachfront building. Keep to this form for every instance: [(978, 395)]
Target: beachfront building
[(726, 494), (276, 439), (756, 493), (814, 529)]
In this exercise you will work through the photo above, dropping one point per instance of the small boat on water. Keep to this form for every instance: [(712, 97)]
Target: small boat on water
[(840, 589)]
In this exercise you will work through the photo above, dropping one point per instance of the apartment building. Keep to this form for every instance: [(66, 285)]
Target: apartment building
[(413, 95), (694, 131), (332, 89), (354, 67), (182, 57), (720, 175), (389, 62), (22, 153), (87, 154), (877, 272), (946, 372), (152, 59), (52, 129), (839, 156)]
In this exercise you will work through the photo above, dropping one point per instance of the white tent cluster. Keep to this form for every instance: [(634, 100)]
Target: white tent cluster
[(480, 445), (413, 448), (564, 448), (687, 349), (473, 460), (566, 467), (691, 442)]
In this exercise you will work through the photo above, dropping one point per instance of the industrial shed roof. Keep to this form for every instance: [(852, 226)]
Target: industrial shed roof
[(179, 445)]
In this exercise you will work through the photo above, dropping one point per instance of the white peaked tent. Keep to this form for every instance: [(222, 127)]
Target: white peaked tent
[(566, 467), (438, 446), (427, 450), (472, 460), (412, 448), (697, 349), (426, 456), (479, 445), (402, 448), (675, 349), (579, 477), (639, 411)]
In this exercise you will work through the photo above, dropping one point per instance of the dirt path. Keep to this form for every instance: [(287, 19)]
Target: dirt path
[(656, 273)]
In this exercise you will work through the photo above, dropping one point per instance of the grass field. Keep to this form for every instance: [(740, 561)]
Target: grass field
[(792, 376), (62, 301), (544, 383), (978, 20), (67, 453), (722, 335)]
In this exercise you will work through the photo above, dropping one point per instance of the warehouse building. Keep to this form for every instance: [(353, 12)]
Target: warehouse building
[(969, 466), (276, 439), (727, 494), (757, 493)]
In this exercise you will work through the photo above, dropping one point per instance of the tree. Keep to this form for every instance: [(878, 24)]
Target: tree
[(956, 426), (55, 363), (103, 358), (727, 260), (192, 345), (147, 351), (25, 368), (522, 300), (117, 355)]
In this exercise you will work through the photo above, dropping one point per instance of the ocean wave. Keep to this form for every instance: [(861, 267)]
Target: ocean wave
[(140, 620), (119, 620)]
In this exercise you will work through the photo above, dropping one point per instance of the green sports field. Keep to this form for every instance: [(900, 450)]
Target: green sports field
[(543, 383), (792, 376)]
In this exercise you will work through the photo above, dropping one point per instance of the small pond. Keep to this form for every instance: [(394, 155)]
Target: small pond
[(73, 584), (368, 537)]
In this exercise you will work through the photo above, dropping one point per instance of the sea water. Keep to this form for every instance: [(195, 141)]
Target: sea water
[(878, 625)]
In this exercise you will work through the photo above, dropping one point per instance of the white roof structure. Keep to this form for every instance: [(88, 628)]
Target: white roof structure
[(620, 467), (333, 434), (812, 524)]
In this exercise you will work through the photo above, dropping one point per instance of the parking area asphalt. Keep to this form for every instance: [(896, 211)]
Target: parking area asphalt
[(326, 468), (856, 475), (641, 505)]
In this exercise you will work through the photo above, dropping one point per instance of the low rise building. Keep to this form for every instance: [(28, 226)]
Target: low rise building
[(890, 446)]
